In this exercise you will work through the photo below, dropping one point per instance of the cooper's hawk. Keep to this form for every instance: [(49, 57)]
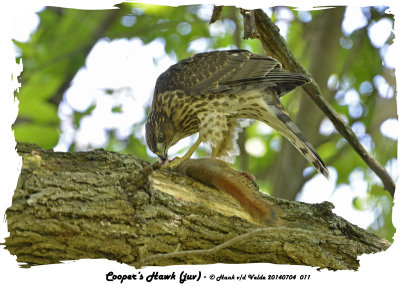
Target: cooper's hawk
[(210, 92)]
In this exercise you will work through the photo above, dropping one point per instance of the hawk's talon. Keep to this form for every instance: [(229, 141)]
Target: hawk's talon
[(174, 163)]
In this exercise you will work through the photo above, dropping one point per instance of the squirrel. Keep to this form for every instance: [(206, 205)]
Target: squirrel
[(239, 184)]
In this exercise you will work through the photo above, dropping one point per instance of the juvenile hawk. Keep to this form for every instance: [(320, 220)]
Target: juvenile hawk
[(210, 92)]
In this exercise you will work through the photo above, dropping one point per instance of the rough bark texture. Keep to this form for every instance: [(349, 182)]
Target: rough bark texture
[(101, 204)]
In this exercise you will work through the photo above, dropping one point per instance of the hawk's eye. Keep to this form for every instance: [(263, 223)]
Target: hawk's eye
[(160, 137)]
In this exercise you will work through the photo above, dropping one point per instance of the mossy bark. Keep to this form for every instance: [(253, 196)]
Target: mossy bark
[(100, 204)]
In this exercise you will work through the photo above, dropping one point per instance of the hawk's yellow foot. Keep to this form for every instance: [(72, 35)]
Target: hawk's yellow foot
[(177, 160), (174, 163)]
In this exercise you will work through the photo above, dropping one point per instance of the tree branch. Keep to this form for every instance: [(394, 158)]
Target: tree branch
[(276, 47), (216, 14), (249, 25), (101, 204)]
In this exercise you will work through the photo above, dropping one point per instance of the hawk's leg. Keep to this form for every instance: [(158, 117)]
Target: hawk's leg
[(177, 161), (214, 129), (217, 146), (190, 152), (223, 141)]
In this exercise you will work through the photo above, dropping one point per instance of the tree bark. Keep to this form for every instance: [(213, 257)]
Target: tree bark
[(100, 204)]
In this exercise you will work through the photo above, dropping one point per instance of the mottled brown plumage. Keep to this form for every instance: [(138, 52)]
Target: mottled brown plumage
[(210, 92)]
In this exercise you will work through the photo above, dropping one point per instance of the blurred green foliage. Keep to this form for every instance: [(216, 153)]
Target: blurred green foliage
[(60, 46)]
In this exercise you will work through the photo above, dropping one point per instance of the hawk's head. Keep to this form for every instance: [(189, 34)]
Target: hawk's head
[(160, 135)]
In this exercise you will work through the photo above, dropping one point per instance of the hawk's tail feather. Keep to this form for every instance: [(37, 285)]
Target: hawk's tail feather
[(305, 147), (315, 160), (284, 125)]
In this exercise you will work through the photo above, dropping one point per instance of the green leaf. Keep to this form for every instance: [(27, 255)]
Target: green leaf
[(79, 115), (117, 109), (46, 136), (38, 110)]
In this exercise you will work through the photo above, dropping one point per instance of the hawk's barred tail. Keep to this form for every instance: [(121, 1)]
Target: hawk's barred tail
[(311, 155), (284, 125), (296, 137)]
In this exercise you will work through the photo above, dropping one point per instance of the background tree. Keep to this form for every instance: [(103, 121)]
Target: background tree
[(347, 66)]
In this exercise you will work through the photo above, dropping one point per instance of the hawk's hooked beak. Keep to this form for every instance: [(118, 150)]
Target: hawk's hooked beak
[(161, 151), (163, 157)]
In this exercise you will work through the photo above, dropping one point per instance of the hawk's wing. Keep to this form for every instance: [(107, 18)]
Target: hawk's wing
[(218, 71)]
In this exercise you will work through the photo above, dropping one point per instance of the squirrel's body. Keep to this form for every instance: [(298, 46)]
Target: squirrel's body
[(238, 184)]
